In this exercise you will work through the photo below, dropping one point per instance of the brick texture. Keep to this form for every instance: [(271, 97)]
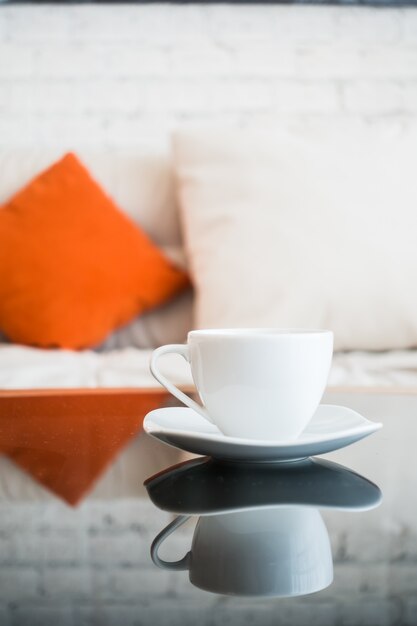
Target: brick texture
[(113, 76)]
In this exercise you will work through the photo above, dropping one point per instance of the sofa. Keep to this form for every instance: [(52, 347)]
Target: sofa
[(92, 561), (143, 185)]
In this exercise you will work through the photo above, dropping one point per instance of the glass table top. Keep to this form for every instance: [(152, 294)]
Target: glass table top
[(328, 541)]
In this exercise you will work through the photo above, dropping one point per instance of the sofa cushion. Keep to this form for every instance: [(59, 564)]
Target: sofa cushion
[(312, 229), (72, 266), (34, 368), (22, 367)]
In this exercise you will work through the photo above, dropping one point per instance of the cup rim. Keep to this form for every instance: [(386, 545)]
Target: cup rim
[(256, 332)]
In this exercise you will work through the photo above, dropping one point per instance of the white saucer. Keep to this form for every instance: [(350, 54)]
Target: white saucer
[(331, 427)]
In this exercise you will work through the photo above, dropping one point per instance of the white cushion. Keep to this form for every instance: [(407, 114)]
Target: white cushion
[(312, 229)]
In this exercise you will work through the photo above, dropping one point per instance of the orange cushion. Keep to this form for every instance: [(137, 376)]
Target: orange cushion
[(73, 267)]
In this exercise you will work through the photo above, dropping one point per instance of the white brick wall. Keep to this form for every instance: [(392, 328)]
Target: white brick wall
[(114, 75)]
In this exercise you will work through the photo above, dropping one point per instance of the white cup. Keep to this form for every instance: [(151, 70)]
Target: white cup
[(254, 383), (263, 552)]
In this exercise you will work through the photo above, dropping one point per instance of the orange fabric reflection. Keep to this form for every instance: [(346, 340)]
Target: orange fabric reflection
[(66, 439)]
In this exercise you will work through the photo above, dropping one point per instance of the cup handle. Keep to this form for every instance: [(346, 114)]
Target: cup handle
[(183, 350), (178, 565)]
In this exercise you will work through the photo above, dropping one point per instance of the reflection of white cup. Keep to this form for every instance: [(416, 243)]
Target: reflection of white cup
[(274, 552), (255, 383)]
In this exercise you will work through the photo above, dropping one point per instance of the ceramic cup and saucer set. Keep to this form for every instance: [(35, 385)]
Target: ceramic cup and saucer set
[(260, 532), (260, 391)]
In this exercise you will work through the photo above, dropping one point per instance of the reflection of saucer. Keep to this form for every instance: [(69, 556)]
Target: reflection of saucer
[(207, 487), (330, 428)]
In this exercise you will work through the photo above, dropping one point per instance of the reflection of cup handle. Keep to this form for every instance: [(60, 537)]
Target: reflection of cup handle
[(183, 563), (183, 350)]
